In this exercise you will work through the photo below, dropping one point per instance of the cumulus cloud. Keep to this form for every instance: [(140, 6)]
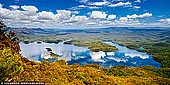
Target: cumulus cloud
[(110, 17), (29, 16), (15, 7), (140, 16), (78, 18), (46, 15), (14, 14), (166, 21), (3, 12), (29, 8), (8, 14), (98, 14), (63, 14), (145, 15), (120, 4), (123, 19), (76, 21)]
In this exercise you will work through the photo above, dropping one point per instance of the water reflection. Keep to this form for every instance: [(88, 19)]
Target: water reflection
[(82, 55)]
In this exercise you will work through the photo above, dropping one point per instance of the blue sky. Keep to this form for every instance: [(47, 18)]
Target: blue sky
[(85, 13)]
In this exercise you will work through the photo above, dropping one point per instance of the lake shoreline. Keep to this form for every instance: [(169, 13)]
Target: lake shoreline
[(80, 43), (112, 58)]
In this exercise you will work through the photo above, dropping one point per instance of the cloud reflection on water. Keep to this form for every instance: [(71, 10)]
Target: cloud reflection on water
[(82, 55)]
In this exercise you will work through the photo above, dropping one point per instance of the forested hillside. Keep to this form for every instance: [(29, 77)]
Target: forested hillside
[(15, 68)]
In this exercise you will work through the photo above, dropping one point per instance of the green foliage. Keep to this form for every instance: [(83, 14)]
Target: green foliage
[(93, 65), (59, 72), (2, 27), (53, 55), (97, 46), (15, 68), (52, 41), (155, 42), (165, 63), (9, 64), (125, 71), (161, 53), (20, 70)]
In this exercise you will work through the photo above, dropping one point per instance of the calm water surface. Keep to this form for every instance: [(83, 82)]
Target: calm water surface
[(82, 55)]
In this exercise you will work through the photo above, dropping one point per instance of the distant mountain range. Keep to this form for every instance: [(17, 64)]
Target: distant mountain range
[(53, 31)]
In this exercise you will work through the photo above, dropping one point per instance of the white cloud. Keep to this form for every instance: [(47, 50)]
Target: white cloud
[(1, 5), (91, 23), (93, 7), (98, 3), (29, 8), (4, 12), (136, 7), (82, 6), (29, 16), (133, 16), (98, 14), (125, 22), (120, 4), (139, 1), (104, 22), (14, 14), (15, 7), (82, 1), (140, 16), (123, 19), (63, 14), (79, 18), (145, 15), (74, 12), (46, 15), (110, 17), (9, 14), (166, 21)]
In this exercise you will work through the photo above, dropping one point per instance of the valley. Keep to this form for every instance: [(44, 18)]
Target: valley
[(154, 41)]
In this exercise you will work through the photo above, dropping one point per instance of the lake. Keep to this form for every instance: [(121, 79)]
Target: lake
[(82, 55)]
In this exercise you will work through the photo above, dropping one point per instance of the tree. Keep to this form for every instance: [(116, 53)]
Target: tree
[(2, 27), (8, 38)]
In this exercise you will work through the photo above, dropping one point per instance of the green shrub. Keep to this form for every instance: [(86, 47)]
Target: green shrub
[(9, 63)]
